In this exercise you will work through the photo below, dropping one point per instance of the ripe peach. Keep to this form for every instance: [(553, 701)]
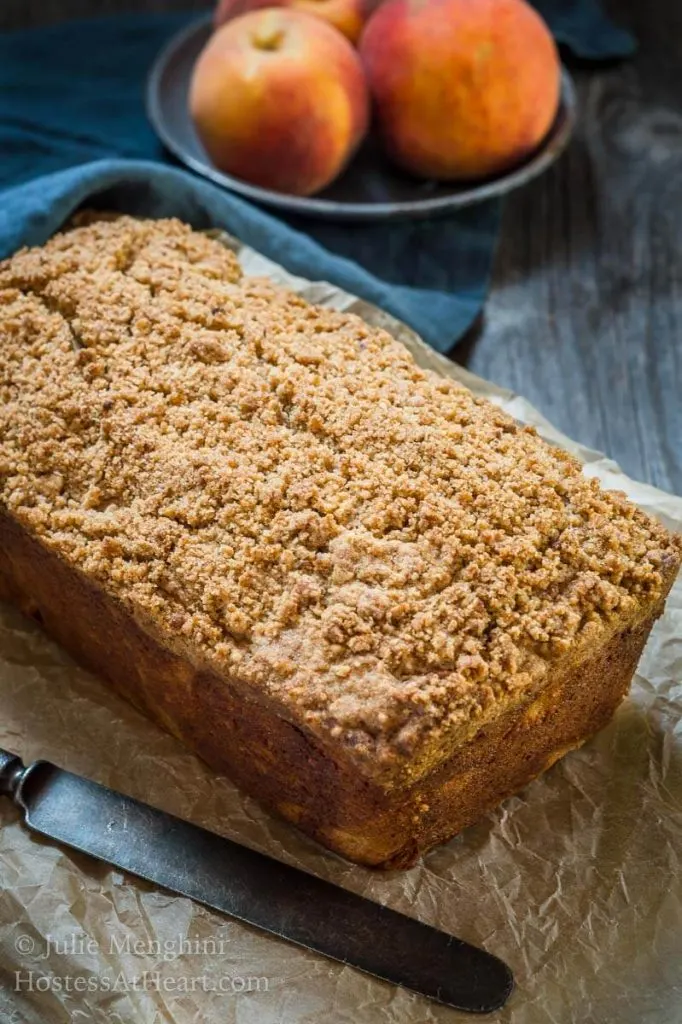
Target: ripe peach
[(348, 16), (279, 99), (462, 88)]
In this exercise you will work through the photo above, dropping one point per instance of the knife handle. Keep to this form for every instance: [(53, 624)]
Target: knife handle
[(11, 770)]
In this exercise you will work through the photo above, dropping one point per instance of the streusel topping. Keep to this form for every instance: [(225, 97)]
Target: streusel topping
[(282, 489)]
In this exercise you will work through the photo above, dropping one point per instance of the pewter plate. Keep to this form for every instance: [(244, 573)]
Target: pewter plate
[(369, 189)]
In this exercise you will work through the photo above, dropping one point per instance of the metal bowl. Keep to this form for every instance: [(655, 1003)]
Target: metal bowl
[(370, 188)]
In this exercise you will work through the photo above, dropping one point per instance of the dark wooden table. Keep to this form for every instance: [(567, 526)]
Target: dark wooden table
[(585, 314)]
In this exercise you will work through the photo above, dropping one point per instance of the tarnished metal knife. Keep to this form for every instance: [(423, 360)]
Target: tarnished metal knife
[(252, 887)]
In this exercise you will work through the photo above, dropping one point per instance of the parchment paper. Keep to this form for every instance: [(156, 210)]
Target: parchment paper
[(576, 883)]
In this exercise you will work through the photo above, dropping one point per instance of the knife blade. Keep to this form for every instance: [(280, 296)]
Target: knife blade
[(252, 887)]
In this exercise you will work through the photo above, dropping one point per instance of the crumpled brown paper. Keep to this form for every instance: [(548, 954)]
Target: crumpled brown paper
[(576, 882)]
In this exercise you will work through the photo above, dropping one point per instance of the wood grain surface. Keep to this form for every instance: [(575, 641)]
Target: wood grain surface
[(585, 314)]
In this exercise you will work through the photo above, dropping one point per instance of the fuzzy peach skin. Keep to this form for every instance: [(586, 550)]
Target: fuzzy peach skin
[(348, 16), (463, 89), (279, 99)]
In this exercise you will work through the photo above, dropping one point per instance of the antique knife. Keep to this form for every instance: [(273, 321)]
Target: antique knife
[(252, 887)]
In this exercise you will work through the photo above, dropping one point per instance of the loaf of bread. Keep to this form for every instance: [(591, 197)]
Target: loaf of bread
[(370, 598)]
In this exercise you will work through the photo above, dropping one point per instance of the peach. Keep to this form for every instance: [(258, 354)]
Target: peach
[(463, 89), (348, 16), (279, 99)]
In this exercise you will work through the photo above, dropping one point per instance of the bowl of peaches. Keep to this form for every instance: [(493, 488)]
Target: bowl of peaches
[(364, 109)]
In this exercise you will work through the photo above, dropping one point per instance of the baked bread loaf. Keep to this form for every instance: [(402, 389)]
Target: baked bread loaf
[(369, 597)]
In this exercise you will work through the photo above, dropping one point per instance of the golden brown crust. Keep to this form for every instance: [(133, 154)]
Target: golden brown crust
[(291, 771), (278, 493)]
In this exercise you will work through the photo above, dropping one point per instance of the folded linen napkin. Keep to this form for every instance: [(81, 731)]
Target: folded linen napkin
[(72, 110)]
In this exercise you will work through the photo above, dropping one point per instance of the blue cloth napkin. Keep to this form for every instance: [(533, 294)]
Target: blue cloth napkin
[(72, 112)]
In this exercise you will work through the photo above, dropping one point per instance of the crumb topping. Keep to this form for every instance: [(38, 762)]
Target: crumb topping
[(283, 490)]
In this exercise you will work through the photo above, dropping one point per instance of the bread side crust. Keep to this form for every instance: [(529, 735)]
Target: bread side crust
[(290, 770)]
